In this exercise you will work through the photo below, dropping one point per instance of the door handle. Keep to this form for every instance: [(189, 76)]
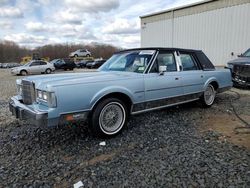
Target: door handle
[(176, 78), (201, 76)]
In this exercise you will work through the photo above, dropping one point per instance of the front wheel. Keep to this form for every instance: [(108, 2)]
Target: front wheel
[(208, 96), (23, 72), (109, 117)]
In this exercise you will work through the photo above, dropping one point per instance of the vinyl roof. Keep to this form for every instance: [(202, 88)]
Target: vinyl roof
[(159, 48)]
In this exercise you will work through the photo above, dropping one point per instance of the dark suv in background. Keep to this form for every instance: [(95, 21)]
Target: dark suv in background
[(240, 69), (65, 64)]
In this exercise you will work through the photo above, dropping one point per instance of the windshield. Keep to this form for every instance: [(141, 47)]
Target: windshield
[(27, 64), (54, 61), (247, 53), (133, 61)]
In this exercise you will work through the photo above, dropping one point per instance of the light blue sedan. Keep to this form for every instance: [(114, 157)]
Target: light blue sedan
[(130, 82)]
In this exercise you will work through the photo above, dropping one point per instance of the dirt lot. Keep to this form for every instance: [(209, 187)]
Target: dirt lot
[(183, 146)]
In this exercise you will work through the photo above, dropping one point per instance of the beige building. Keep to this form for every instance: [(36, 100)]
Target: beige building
[(221, 28)]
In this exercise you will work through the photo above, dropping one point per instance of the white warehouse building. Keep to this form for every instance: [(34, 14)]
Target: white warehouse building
[(221, 28)]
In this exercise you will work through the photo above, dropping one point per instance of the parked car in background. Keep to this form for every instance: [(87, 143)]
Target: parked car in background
[(83, 63), (34, 67), (130, 82), (65, 64), (80, 53), (9, 65), (240, 69), (95, 64)]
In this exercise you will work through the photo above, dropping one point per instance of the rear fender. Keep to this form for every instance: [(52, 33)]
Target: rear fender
[(212, 79)]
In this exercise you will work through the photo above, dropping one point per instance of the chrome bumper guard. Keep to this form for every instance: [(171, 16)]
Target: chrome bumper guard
[(22, 112)]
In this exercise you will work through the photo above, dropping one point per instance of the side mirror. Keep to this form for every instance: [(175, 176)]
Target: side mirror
[(162, 69)]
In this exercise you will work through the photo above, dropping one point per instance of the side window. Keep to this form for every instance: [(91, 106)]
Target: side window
[(35, 63), (43, 63), (164, 58), (188, 62)]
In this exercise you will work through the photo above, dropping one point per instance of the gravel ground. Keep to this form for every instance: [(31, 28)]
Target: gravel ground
[(158, 149)]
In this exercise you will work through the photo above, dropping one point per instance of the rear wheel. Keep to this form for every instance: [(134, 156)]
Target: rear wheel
[(23, 72), (48, 71), (75, 55), (109, 117), (87, 55), (208, 96)]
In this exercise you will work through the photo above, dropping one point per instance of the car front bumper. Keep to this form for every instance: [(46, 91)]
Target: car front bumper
[(22, 112), (14, 72), (41, 118)]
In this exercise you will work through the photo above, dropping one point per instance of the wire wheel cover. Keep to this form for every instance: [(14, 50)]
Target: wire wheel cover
[(209, 95), (112, 118)]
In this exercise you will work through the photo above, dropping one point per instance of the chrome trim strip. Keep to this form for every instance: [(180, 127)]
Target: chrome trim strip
[(174, 87), (15, 102), (178, 61), (170, 97), (163, 102), (161, 107), (152, 63)]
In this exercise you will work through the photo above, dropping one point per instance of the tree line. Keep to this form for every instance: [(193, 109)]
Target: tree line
[(12, 52)]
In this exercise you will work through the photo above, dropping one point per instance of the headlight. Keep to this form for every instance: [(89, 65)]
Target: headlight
[(48, 97), (19, 86), (45, 96), (19, 89), (39, 94)]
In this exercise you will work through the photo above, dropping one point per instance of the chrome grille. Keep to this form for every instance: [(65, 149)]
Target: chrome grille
[(28, 92)]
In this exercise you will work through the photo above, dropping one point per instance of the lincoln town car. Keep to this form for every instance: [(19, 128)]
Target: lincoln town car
[(130, 82)]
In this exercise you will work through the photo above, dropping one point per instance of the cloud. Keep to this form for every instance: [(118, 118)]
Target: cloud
[(6, 25), (10, 12), (122, 26), (44, 2), (43, 22), (67, 16), (36, 26), (24, 38), (93, 6), (3, 2)]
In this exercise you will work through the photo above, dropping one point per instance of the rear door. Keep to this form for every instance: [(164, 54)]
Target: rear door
[(82, 52), (43, 66), (34, 67), (192, 75)]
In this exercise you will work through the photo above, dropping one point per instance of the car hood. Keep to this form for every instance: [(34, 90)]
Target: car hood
[(48, 82), (241, 60), (18, 68)]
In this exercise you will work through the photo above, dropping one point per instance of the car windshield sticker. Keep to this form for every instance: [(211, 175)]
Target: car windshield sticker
[(147, 52)]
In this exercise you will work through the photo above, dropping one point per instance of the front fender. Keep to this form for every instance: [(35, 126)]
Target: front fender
[(108, 90)]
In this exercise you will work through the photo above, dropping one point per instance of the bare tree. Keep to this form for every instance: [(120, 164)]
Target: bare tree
[(11, 52)]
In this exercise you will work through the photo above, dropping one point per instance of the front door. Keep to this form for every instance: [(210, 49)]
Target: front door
[(163, 89), (34, 67)]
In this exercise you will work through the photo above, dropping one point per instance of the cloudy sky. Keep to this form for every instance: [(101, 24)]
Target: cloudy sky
[(34, 23)]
